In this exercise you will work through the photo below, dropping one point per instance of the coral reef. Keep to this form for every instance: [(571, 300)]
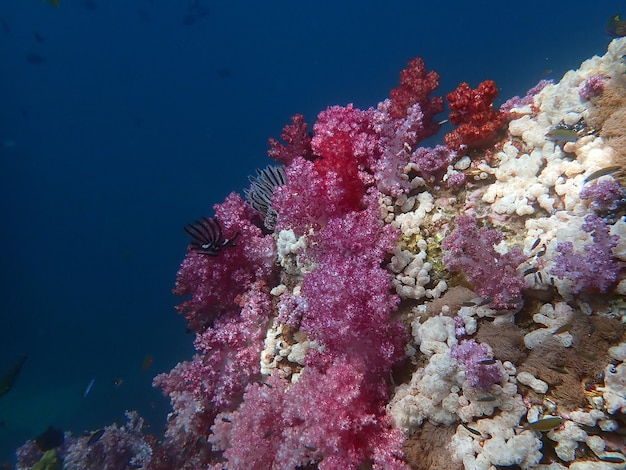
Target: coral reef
[(456, 307)]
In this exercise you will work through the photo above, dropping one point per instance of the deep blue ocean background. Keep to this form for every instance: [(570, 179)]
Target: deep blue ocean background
[(123, 120)]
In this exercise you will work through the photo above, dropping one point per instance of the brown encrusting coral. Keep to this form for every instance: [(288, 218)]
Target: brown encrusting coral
[(567, 369), (608, 115), (426, 448)]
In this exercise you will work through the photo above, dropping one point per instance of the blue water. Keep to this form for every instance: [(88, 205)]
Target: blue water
[(123, 120)]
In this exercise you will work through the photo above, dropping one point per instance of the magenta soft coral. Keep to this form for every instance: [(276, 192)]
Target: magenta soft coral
[(334, 415), (354, 314), (471, 250), (472, 111), (326, 418), (228, 355), (214, 282)]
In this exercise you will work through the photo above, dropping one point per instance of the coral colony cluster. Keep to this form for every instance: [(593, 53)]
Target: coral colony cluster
[(375, 304)]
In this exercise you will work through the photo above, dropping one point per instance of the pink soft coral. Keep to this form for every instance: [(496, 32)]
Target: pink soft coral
[(215, 282), (327, 418), (353, 315)]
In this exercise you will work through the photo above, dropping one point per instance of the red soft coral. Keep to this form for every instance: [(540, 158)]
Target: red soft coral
[(472, 110), (297, 142), (415, 86)]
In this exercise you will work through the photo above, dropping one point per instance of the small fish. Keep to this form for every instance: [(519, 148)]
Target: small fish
[(540, 277), (8, 379), (545, 73), (542, 252), (535, 244), (532, 270), (468, 303), (472, 430), (311, 448), (612, 459), (602, 172), (268, 434), (88, 388), (226, 420), (485, 301), (562, 329), (95, 436), (563, 135), (515, 300), (501, 312), (487, 398), (173, 415), (147, 362), (267, 385), (118, 382), (545, 424), (592, 328), (560, 370), (486, 362), (615, 26)]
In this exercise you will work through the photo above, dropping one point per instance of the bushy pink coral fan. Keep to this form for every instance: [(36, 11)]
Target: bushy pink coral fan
[(335, 413), (356, 125), (595, 269), (473, 356), (311, 196), (297, 142), (493, 274)]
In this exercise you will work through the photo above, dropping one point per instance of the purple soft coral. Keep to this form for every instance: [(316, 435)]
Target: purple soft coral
[(493, 274), (595, 269), (604, 194), (480, 374), (433, 162), (593, 86)]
